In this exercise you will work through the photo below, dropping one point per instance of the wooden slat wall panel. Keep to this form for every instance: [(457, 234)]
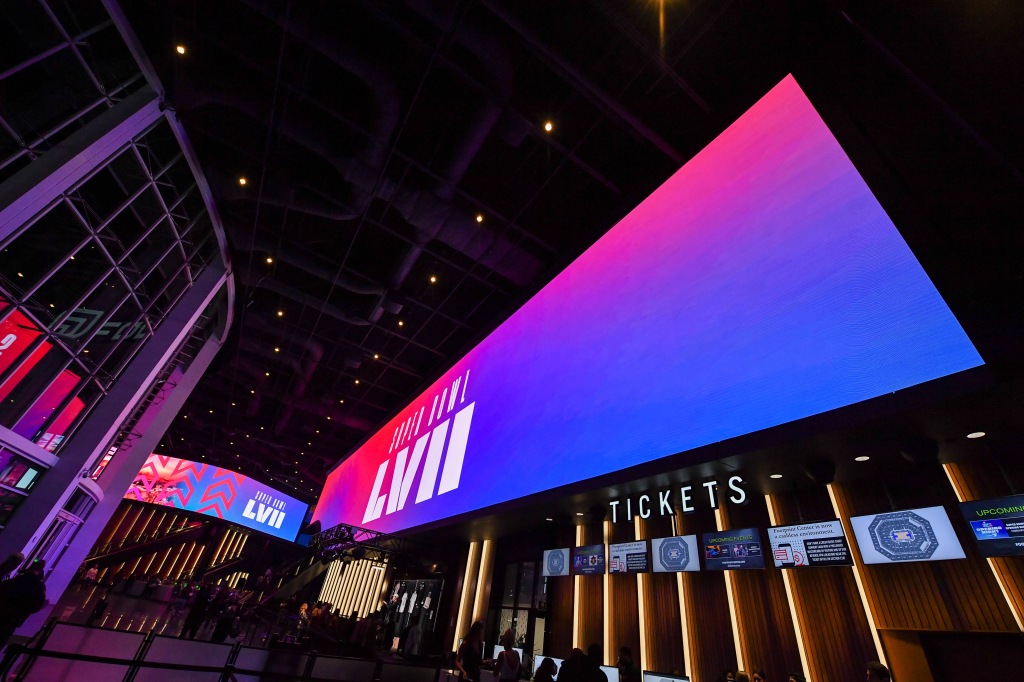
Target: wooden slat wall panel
[(707, 607), (558, 639), (591, 606), (624, 609), (981, 479), (836, 634), (766, 625), (661, 599), (940, 595)]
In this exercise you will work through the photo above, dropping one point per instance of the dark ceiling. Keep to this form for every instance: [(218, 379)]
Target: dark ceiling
[(402, 196)]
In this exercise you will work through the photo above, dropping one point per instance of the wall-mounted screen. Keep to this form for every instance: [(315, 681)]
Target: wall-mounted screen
[(997, 525), (611, 672), (213, 491), (628, 557), (556, 562), (588, 560), (810, 544), (910, 535), (733, 549), (760, 284), (679, 553), (662, 677)]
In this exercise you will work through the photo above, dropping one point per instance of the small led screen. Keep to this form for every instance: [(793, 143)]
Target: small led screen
[(760, 284), (222, 493)]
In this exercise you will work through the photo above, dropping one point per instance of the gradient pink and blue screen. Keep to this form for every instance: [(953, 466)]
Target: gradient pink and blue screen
[(761, 284)]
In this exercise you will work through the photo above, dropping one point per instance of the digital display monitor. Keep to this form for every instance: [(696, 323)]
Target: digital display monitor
[(733, 549), (675, 554), (997, 525), (498, 648), (910, 535), (225, 494), (810, 544), (628, 557), (612, 672), (556, 562), (762, 283), (663, 677), (588, 560)]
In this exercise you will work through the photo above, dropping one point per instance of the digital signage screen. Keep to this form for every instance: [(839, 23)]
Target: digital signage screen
[(810, 544), (588, 560), (556, 562), (225, 494), (675, 554), (910, 535), (762, 283), (729, 550), (628, 557), (997, 525)]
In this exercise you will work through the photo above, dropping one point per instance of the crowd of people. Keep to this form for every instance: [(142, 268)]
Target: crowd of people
[(582, 667)]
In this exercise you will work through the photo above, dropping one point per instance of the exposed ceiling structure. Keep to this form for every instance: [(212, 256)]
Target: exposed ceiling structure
[(391, 190)]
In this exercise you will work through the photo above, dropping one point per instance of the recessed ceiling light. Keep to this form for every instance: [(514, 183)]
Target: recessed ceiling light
[(376, 356), (211, 411), (341, 402), (976, 434), (401, 324), (549, 519), (433, 279), (862, 458), (276, 349), (269, 260), (579, 513), (252, 391), (548, 126), (180, 49), (479, 217), (357, 381), (267, 373), (243, 181), (776, 476), (280, 313)]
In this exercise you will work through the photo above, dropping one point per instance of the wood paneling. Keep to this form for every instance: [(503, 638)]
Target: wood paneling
[(766, 632), (981, 479), (624, 611), (939, 595), (836, 635), (709, 627), (558, 624), (660, 596), (590, 607)]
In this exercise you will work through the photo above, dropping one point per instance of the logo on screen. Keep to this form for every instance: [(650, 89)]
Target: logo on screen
[(448, 422)]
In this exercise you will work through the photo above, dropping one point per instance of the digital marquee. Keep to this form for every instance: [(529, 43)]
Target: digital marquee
[(222, 493), (762, 283)]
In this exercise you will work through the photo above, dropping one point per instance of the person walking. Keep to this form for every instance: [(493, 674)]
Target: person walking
[(20, 597)]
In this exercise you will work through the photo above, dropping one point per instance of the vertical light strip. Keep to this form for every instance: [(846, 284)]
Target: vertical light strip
[(641, 594), (997, 570), (607, 585), (730, 593), (465, 598), (483, 579), (868, 613), (223, 539), (773, 516), (199, 554), (688, 661), (576, 598)]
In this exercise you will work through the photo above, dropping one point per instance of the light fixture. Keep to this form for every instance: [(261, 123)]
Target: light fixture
[(862, 458), (243, 181), (341, 402), (180, 49), (376, 356), (280, 313), (549, 519), (776, 476), (269, 260), (51, 305), (401, 324), (276, 349), (433, 279), (267, 373), (479, 217), (211, 411), (548, 126), (976, 434), (252, 391), (328, 417), (579, 513), (357, 381), (232, 404), (20, 275)]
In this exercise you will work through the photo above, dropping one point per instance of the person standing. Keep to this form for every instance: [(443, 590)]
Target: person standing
[(507, 665), (20, 597), (8, 565), (628, 671), (471, 653), (546, 671)]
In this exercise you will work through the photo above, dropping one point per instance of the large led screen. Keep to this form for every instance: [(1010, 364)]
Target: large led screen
[(997, 525), (760, 284), (909, 535), (222, 493)]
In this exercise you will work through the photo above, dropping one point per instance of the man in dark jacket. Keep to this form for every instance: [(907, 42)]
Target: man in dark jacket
[(20, 597)]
